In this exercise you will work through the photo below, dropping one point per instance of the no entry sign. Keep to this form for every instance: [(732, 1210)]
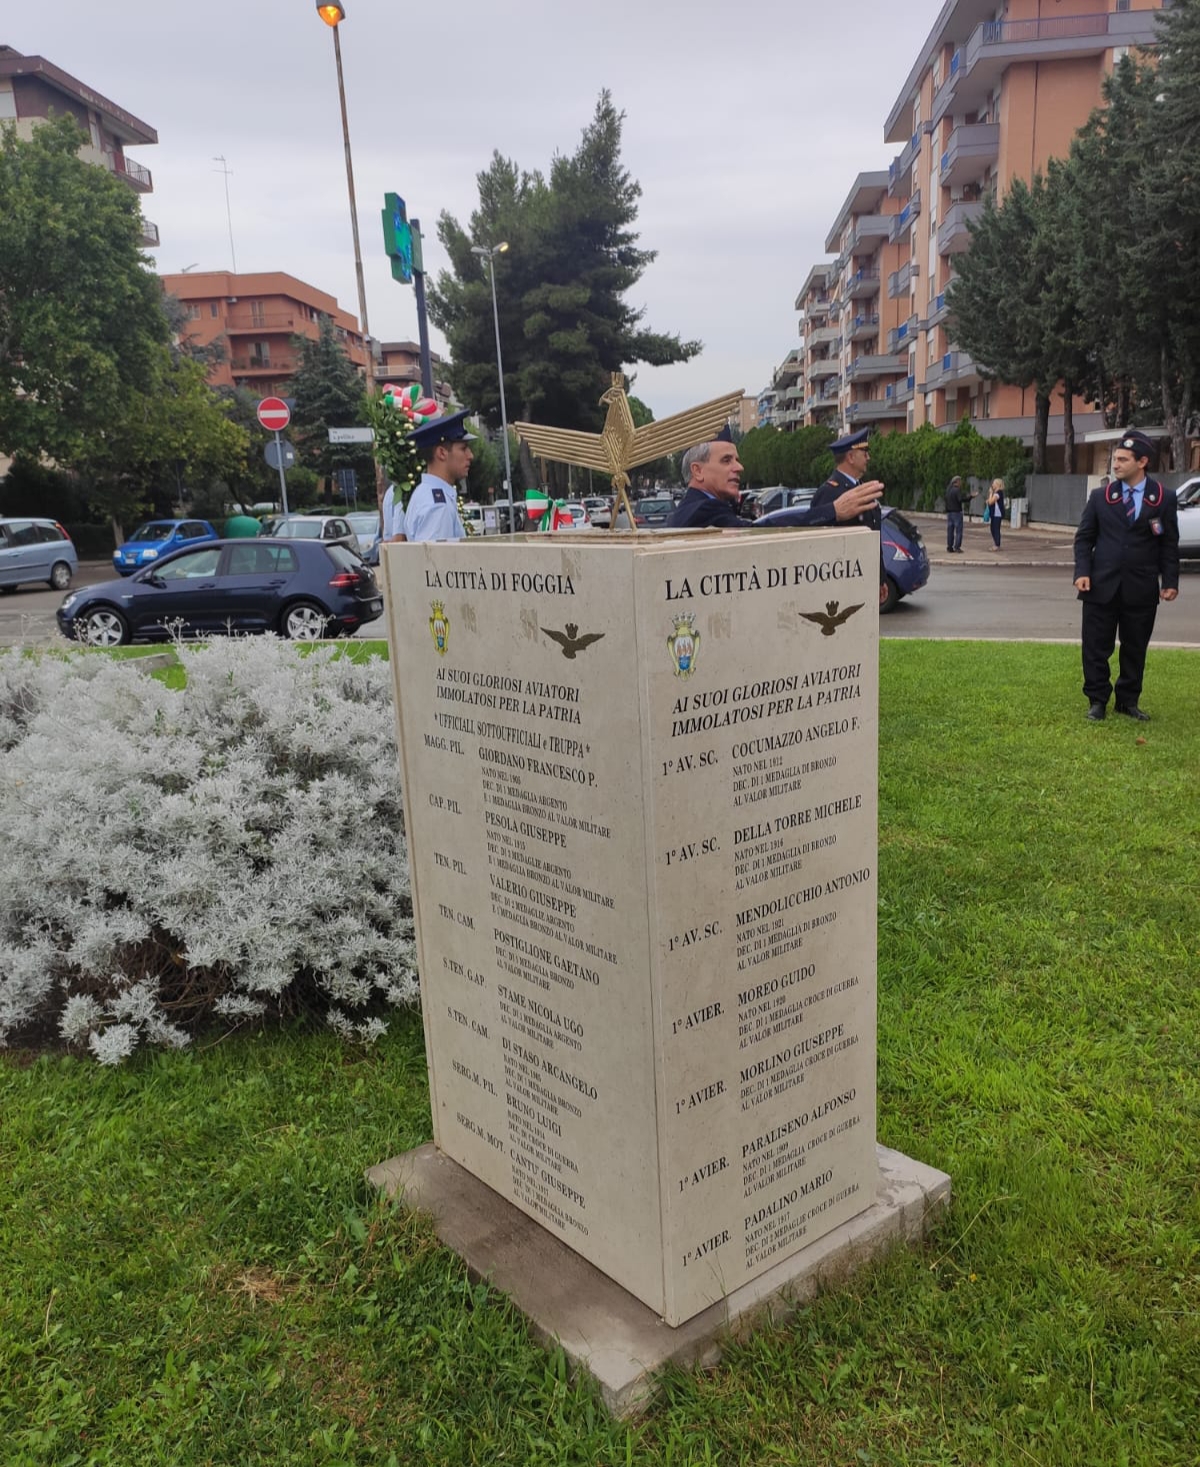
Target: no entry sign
[(274, 414)]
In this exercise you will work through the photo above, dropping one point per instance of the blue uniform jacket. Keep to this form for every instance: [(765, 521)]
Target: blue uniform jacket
[(1131, 559)]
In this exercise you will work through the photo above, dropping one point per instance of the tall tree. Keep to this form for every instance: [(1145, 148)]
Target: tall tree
[(81, 316), (329, 393), (561, 288)]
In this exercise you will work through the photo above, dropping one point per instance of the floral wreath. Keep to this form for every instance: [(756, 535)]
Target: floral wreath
[(394, 412)]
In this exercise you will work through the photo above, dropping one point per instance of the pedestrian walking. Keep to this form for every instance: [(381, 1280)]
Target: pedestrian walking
[(994, 510), (954, 516), (1126, 561)]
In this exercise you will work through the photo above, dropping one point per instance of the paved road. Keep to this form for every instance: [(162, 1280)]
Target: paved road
[(1021, 594)]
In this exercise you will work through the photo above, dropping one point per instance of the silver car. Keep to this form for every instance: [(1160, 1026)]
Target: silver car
[(1189, 519), (35, 550), (330, 529)]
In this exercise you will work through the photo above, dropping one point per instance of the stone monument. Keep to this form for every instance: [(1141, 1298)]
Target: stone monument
[(640, 795)]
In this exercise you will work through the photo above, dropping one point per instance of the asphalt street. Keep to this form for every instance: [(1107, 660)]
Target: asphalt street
[(1021, 593)]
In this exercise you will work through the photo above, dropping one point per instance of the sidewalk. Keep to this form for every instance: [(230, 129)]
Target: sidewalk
[(1032, 545)]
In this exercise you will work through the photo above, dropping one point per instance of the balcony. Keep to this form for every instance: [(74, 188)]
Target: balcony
[(149, 235), (971, 149), (901, 223), (793, 393), (863, 283), (901, 338), (953, 234), (959, 367), (268, 321), (823, 367), (901, 392), (939, 310), (870, 230), (873, 365), (874, 410), (901, 165), (824, 336), (134, 174), (900, 281), (256, 366), (863, 327), (994, 45)]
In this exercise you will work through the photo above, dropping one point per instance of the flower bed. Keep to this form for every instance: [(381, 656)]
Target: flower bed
[(232, 849)]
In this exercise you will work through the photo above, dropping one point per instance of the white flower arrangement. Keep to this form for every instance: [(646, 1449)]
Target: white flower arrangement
[(228, 851)]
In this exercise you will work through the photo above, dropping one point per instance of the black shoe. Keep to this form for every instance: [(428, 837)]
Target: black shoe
[(1131, 710), (1096, 712)]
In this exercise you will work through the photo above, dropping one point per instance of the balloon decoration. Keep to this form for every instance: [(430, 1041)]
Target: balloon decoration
[(412, 402)]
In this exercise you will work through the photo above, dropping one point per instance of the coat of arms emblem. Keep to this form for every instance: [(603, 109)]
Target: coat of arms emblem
[(439, 628), (684, 644)]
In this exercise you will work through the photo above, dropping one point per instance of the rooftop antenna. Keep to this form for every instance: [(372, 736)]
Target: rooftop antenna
[(228, 172)]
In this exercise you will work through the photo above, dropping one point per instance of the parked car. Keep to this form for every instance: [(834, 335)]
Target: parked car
[(366, 526), (599, 512), (780, 497), (35, 550), (1189, 519), (330, 529), (905, 559), (649, 514), (302, 589), (156, 538)]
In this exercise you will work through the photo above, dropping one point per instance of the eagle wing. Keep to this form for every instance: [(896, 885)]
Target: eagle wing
[(843, 616), (566, 445), (582, 642), (682, 430), (560, 637), (820, 618)]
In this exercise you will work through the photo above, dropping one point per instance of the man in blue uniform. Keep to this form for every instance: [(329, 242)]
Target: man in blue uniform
[(1126, 549), (712, 476), (432, 512), (850, 459)]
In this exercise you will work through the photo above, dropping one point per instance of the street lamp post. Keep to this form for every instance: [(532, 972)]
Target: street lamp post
[(333, 15), (489, 253)]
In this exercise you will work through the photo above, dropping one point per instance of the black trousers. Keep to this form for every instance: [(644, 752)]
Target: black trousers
[(1102, 622), (954, 529)]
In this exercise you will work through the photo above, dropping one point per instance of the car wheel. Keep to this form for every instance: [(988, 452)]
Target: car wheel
[(102, 627), (892, 600), (304, 621), (60, 575)]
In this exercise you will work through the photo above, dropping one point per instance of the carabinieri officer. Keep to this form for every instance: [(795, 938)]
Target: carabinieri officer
[(432, 512), (1126, 543), (850, 459)]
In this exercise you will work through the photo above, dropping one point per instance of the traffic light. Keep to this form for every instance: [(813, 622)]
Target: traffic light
[(398, 238)]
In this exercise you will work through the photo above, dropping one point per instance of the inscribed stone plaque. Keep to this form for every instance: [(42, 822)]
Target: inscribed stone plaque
[(640, 795)]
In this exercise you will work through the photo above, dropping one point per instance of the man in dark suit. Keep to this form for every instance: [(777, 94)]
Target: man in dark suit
[(954, 516), (1126, 561), (712, 476), (850, 459)]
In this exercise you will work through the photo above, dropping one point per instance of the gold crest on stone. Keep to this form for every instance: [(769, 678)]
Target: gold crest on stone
[(684, 644), (439, 628)]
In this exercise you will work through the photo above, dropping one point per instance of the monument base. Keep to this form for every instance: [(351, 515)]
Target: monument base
[(600, 1326)]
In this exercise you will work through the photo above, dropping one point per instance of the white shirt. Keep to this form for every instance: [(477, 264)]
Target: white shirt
[(393, 514), (433, 511)]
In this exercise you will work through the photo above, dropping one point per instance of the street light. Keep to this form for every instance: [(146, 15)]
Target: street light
[(489, 253), (333, 15)]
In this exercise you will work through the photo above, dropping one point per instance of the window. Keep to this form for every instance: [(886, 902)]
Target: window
[(258, 559), (193, 530), (258, 315), (260, 353), (192, 567), (193, 313), (214, 309), (22, 532), (50, 534)]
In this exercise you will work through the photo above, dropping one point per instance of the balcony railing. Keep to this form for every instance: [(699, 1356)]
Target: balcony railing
[(939, 310), (953, 234), (150, 234), (823, 367), (868, 227), (863, 326), (971, 147), (262, 364), (868, 409), (902, 222), (824, 336), (900, 280), (134, 174), (900, 392), (268, 321), (902, 164), (902, 336), (864, 282), (874, 365)]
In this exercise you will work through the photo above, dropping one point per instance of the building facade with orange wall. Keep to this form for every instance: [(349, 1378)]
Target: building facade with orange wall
[(256, 318)]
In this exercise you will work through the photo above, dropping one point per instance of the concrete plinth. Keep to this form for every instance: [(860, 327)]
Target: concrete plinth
[(600, 1326)]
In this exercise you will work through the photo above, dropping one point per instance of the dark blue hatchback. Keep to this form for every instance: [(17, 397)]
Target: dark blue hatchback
[(297, 588), (905, 559)]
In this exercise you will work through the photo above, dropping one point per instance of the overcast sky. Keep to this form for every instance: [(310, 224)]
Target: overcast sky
[(745, 126)]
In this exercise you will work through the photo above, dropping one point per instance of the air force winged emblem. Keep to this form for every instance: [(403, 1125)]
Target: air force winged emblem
[(831, 618), (439, 628), (684, 644)]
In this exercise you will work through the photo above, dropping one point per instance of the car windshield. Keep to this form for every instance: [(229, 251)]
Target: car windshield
[(156, 530), (300, 530), (363, 523), (656, 506), (1189, 495)]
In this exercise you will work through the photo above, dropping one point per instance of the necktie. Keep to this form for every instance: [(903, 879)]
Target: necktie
[(1128, 503)]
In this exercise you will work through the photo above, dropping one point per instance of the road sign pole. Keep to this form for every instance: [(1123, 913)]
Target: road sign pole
[(282, 473)]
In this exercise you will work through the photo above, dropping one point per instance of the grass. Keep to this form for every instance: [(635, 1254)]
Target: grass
[(194, 1272)]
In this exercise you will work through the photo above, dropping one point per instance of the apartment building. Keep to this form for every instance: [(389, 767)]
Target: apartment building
[(32, 90), (400, 362), (995, 92), (257, 318)]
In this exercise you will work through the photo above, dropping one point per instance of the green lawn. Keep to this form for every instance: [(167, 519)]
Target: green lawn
[(194, 1272)]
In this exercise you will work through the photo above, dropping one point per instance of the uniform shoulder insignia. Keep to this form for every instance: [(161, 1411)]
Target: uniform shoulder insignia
[(439, 496)]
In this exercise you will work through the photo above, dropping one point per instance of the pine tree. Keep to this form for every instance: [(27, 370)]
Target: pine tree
[(329, 393)]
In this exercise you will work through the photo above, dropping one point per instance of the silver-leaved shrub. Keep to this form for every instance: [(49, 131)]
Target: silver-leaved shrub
[(231, 850)]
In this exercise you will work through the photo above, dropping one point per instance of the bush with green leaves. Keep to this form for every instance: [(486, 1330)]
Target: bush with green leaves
[(229, 850)]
